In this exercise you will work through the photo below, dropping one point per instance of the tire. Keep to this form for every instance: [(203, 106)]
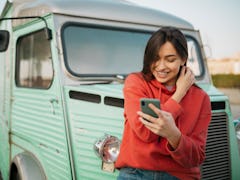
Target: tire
[(14, 173), (1, 176)]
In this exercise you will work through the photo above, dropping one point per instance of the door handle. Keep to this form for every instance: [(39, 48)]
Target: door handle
[(53, 102)]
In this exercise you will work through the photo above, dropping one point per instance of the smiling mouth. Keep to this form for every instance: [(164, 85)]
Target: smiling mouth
[(162, 74)]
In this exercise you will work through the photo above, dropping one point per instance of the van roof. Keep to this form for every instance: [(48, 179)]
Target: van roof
[(115, 10)]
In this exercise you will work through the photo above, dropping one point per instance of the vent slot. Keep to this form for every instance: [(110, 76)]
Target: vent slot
[(218, 105), (217, 163), (94, 98), (111, 101)]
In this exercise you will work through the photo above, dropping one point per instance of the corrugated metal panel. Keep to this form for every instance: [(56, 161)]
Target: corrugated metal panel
[(34, 121), (217, 163), (90, 120)]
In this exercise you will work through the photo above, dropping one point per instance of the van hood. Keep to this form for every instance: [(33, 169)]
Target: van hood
[(101, 91), (92, 111), (210, 89)]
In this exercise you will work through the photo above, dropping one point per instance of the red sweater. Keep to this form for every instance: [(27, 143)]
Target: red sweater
[(140, 148)]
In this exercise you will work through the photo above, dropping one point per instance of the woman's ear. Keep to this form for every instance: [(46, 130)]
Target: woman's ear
[(184, 63)]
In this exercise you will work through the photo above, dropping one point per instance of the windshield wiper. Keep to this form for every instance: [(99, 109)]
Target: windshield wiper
[(114, 79), (120, 78)]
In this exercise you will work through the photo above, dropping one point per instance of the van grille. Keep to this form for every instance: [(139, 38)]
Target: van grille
[(217, 163)]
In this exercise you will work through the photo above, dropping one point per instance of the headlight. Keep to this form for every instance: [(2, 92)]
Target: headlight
[(237, 128), (107, 148)]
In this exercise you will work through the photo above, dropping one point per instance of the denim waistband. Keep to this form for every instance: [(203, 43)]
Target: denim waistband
[(129, 173)]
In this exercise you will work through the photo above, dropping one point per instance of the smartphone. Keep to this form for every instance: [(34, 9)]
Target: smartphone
[(144, 102)]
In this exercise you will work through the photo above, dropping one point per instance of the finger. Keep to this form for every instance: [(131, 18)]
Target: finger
[(152, 127), (191, 77), (165, 113), (156, 110), (147, 117), (190, 72), (183, 70), (148, 124)]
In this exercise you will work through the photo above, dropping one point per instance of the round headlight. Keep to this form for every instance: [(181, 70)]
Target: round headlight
[(107, 148), (237, 128)]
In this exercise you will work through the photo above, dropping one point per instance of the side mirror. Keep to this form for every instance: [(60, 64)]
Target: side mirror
[(4, 40)]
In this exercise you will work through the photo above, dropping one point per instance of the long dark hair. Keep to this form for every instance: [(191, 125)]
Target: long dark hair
[(160, 37)]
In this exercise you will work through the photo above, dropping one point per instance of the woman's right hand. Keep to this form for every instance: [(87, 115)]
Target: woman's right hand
[(164, 125), (185, 80)]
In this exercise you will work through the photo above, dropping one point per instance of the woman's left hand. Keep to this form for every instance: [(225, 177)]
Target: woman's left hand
[(163, 126)]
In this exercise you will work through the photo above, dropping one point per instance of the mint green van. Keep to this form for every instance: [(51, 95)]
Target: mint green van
[(62, 70)]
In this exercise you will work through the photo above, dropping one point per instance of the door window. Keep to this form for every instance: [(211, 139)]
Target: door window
[(34, 67)]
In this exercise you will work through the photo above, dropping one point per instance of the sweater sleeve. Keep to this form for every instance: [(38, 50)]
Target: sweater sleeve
[(172, 107), (134, 89), (191, 149)]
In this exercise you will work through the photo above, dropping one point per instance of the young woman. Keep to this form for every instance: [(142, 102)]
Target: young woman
[(171, 146)]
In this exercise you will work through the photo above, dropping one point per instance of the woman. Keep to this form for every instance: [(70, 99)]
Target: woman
[(171, 146)]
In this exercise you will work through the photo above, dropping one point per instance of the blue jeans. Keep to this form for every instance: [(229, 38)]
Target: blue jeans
[(140, 174)]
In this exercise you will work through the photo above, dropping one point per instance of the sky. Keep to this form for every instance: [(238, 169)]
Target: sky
[(217, 20)]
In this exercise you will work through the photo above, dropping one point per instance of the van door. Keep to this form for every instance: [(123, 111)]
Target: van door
[(4, 120), (37, 113)]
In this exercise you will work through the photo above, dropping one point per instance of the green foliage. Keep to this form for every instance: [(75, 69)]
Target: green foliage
[(226, 80)]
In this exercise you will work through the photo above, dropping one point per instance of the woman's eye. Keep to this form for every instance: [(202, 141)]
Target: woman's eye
[(171, 60)]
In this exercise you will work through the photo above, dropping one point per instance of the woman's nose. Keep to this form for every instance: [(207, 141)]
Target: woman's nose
[(160, 65)]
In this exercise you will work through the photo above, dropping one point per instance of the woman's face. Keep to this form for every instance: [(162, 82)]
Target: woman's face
[(166, 69)]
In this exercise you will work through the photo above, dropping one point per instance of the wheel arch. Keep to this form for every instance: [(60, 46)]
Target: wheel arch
[(27, 167)]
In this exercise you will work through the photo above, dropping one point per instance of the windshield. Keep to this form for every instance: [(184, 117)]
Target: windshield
[(92, 51)]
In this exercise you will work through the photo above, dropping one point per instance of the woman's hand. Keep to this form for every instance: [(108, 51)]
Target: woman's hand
[(185, 80), (163, 126)]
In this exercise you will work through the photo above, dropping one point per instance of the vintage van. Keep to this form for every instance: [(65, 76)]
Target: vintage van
[(62, 69)]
